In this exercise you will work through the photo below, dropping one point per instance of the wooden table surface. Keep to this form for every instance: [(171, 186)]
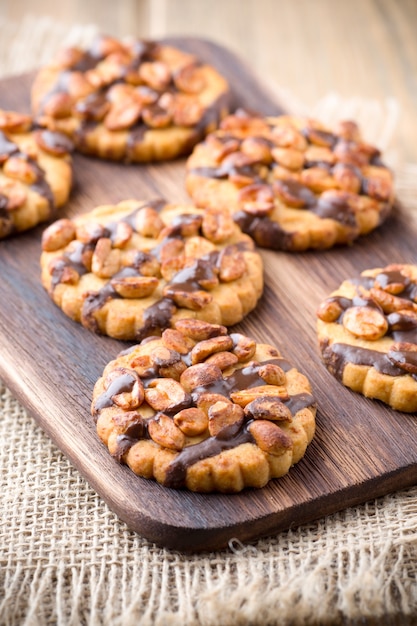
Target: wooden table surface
[(365, 48)]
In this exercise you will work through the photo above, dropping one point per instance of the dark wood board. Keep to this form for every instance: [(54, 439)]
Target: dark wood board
[(362, 449)]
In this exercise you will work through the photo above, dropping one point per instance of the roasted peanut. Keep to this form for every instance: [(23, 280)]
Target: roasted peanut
[(318, 135), (270, 438), (330, 310), (123, 115), (78, 86), (290, 158), (389, 302), (223, 414), (198, 329), (232, 264), (193, 300), (200, 375), (19, 168), (217, 226), (192, 421), (13, 122), (256, 199), (143, 365), (244, 347), (164, 432), (188, 111), (155, 116), (161, 356), (288, 137), (169, 249), (318, 179), (167, 394), (67, 274), (189, 79), (125, 388), (121, 235), (366, 322), (222, 360), (90, 232), (347, 177), (196, 247), (205, 348), (207, 399), (58, 235), (244, 124), (155, 74), (16, 195), (175, 340), (378, 182), (145, 263), (257, 149), (348, 130), (134, 286), (272, 374), (58, 105), (173, 265), (268, 407), (245, 396), (106, 261), (220, 147)]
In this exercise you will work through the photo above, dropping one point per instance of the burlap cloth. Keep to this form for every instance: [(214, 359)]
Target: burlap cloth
[(66, 559)]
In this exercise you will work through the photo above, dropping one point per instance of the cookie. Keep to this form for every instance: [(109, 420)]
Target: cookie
[(133, 269), (35, 173), (291, 183), (205, 410), (367, 332), (132, 100)]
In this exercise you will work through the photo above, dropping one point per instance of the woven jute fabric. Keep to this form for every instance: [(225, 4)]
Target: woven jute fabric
[(66, 559)]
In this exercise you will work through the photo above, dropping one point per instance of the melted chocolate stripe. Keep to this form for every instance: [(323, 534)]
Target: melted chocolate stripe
[(337, 355), (227, 439)]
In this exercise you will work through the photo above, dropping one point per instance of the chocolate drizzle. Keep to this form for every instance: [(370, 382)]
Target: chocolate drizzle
[(121, 384), (264, 231), (227, 439)]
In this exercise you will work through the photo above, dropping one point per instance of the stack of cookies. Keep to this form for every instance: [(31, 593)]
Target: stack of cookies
[(192, 404)]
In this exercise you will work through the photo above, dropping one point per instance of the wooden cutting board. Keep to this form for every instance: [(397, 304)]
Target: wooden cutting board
[(362, 449)]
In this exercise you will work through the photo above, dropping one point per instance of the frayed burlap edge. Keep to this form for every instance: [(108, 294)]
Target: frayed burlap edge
[(66, 559)]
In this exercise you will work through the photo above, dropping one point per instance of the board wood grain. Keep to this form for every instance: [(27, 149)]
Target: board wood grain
[(362, 449)]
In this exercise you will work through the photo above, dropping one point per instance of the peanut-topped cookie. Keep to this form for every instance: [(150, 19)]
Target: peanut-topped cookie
[(133, 269), (35, 173), (203, 409), (367, 333), (291, 183), (130, 100)]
